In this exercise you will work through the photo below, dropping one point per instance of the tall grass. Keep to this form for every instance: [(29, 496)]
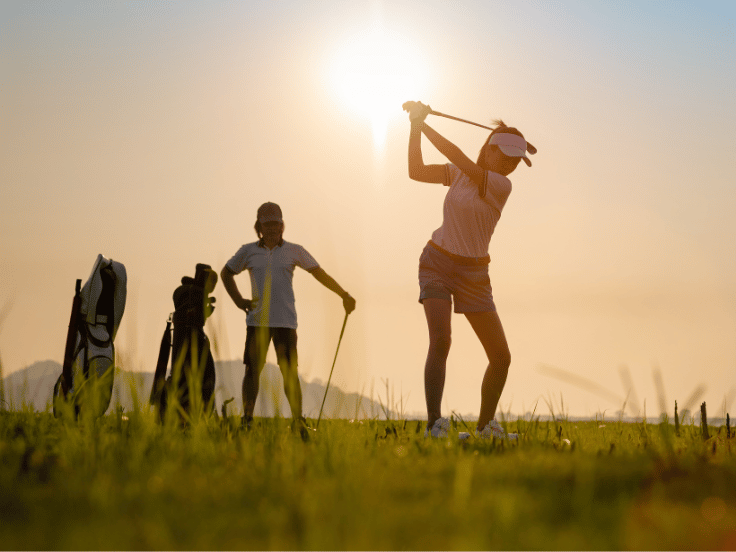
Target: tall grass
[(125, 481), (3, 314)]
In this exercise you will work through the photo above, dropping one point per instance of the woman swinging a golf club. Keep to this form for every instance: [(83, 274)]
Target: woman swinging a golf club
[(454, 263)]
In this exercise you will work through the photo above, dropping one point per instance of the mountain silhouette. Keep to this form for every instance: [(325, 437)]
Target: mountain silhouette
[(32, 387)]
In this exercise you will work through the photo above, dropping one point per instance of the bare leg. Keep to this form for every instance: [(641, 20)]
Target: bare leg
[(488, 328), (439, 314), (287, 360), (293, 389), (256, 349)]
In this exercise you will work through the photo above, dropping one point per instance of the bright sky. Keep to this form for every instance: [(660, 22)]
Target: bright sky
[(150, 132)]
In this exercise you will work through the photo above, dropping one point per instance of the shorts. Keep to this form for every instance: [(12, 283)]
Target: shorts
[(257, 340), (441, 277)]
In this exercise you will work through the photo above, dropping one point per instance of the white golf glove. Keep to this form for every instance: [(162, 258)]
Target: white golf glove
[(417, 111)]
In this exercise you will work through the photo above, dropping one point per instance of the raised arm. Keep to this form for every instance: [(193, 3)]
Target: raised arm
[(432, 174), (435, 173), (454, 154)]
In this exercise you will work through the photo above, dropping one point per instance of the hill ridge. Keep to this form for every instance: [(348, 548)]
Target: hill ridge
[(33, 386)]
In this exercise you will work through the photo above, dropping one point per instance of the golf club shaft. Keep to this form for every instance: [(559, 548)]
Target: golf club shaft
[(458, 119), (530, 148), (344, 322)]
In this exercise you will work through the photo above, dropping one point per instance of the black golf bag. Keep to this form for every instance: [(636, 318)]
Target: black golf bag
[(89, 357), (192, 375)]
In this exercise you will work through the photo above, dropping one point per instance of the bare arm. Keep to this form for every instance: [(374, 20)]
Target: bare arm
[(228, 280), (453, 154), (329, 282), (433, 174)]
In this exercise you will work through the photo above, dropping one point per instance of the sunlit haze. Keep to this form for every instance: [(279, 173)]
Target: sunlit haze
[(151, 132), (375, 71)]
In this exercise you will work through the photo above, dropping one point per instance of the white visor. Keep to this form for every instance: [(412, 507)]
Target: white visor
[(511, 145)]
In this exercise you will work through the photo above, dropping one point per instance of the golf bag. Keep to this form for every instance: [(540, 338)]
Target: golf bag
[(192, 373), (89, 357)]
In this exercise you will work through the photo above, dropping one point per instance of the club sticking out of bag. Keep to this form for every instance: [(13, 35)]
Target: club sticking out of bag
[(344, 322), (66, 369), (192, 378)]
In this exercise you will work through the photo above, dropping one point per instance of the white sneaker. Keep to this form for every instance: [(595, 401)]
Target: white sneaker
[(439, 428), (494, 429), (491, 430)]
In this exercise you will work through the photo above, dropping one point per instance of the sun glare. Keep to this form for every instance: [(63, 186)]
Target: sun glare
[(375, 73)]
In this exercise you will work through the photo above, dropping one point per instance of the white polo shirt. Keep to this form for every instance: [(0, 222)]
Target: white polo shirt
[(271, 275), (469, 220)]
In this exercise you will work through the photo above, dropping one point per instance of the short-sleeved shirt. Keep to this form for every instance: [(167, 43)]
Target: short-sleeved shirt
[(469, 220), (271, 275)]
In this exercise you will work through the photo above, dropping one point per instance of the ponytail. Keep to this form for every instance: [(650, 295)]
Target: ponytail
[(499, 126)]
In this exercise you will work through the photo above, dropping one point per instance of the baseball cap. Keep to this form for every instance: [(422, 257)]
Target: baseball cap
[(269, 212), (511, 145)]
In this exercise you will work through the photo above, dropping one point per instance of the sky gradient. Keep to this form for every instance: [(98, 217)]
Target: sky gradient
[(150, 132)]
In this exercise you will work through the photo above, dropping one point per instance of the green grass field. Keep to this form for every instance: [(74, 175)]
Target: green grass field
[(129, 483)]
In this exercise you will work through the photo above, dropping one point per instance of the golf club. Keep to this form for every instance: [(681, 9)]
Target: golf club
[(331, 369), (531, 149)]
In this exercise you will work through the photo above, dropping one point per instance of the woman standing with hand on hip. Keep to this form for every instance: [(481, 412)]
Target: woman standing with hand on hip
[(454, 263), (272, 312)]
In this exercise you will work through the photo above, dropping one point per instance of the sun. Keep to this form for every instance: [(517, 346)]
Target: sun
[(374, 73)]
